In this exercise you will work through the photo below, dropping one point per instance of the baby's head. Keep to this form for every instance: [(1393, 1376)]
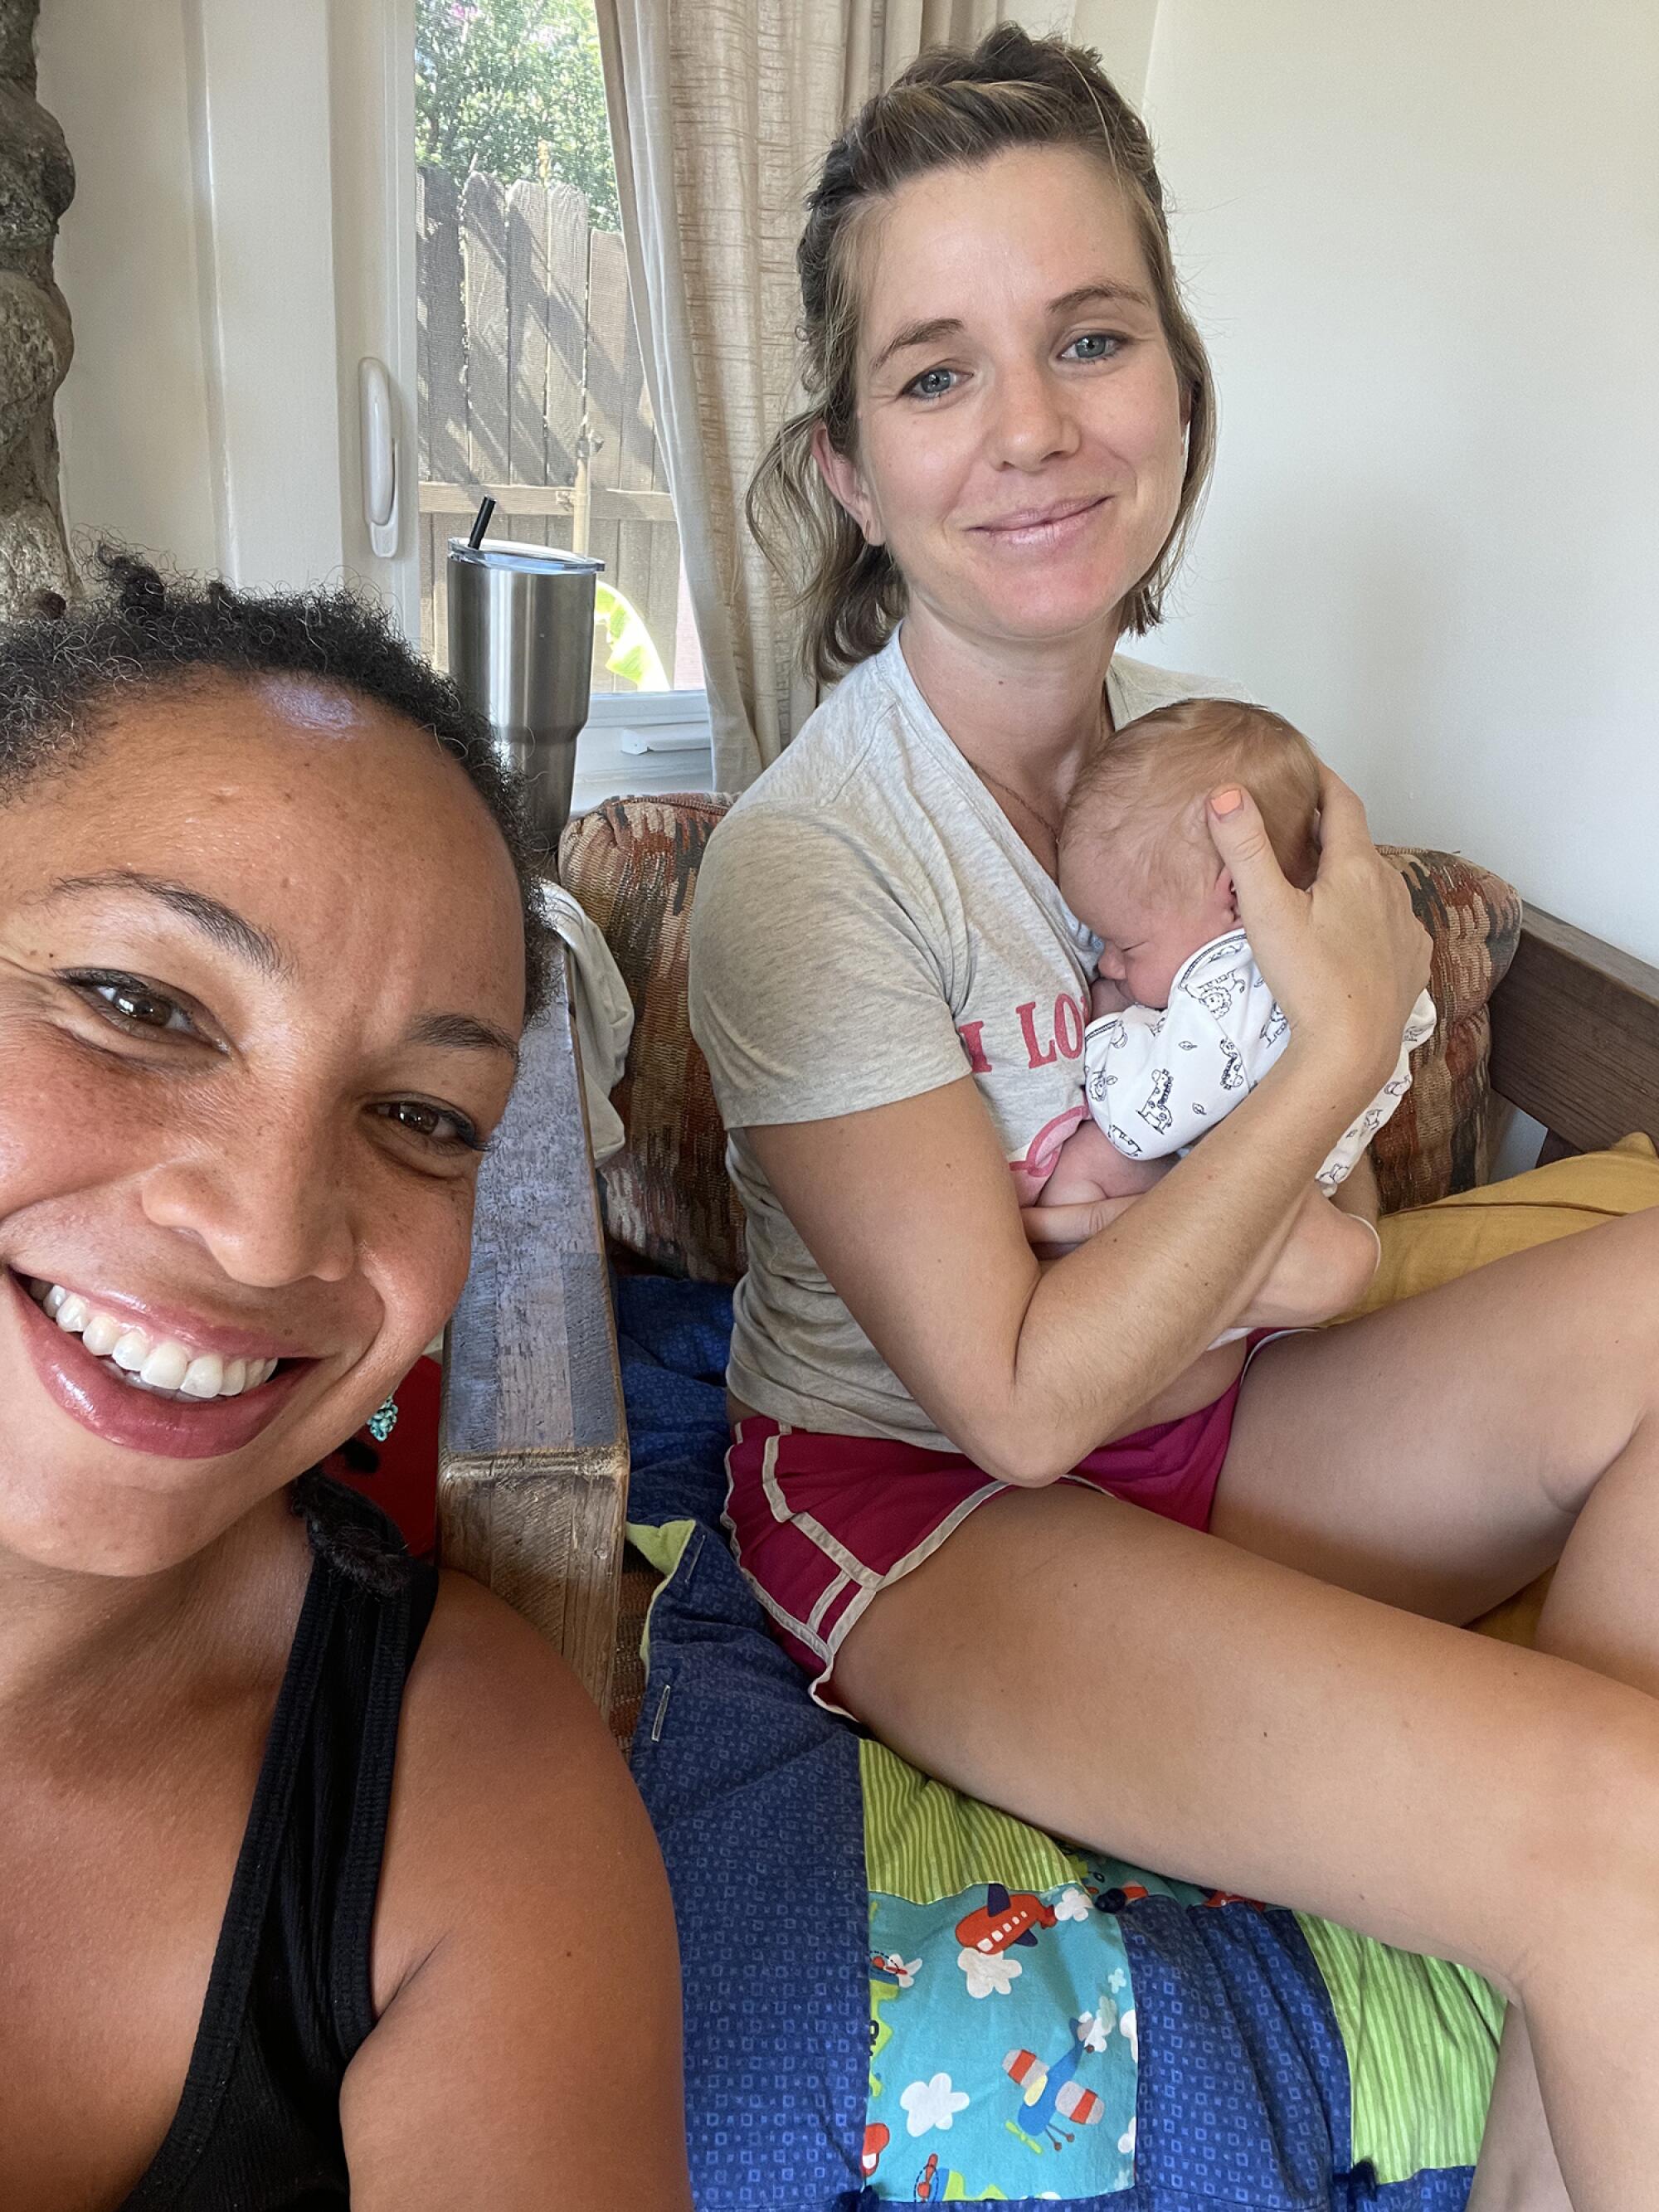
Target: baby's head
[(1137, 862)]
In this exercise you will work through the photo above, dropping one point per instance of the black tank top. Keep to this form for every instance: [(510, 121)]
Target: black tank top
[(287, 2003)]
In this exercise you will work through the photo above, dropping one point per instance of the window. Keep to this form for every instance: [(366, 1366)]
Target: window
[(530, 376)]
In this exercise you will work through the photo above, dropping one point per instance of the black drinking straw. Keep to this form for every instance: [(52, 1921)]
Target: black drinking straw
[(481, 521)]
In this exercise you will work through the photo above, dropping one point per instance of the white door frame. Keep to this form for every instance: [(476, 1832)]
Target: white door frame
[(302, 132), (371, 79)]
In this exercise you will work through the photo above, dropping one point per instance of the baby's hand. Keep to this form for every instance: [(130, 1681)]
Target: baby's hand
[(1091, 1168)]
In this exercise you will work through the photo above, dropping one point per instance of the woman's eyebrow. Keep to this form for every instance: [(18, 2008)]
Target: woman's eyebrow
[(231, 931), (236, 933), (916, 334), (465, 1030), (1114, 295)]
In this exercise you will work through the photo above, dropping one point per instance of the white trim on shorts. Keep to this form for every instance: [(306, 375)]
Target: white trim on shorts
[(867, 1582)]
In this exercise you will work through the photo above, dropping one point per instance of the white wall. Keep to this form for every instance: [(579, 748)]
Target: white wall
[(210, 410), (137, 462), (1120, 33), (1423, 241)]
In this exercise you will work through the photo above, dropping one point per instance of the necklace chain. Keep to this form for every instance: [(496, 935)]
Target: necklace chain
[(1050, 829), (1025, 805)]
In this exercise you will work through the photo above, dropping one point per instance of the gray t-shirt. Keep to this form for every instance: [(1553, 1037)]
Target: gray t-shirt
[(869, 927)]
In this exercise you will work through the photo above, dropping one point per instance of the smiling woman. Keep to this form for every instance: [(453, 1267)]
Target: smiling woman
[(1001, 448), (264, 958)]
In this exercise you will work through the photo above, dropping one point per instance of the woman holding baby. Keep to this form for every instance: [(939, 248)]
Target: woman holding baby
[(940, 1438)]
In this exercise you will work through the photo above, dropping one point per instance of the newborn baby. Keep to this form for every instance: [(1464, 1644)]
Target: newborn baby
[(1184, 1023)]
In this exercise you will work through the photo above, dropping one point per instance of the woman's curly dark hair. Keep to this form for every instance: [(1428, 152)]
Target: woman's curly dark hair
[(63, 668)]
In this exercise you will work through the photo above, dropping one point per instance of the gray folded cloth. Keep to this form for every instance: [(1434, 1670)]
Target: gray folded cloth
[(603, 1013)]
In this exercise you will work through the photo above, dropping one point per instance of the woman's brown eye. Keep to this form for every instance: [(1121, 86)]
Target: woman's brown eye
[(438, 1125), (134, 1002), (142, 1006)]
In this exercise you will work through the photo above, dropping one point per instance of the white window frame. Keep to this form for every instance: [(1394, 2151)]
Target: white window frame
[(374, 84), (665, 721)]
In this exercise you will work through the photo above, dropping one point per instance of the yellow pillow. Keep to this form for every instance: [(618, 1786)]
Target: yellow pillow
[(1427, 1245)]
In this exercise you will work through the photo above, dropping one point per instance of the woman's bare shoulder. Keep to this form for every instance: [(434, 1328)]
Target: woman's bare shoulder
[(525, 1963), (507, 1782), (488, 1697)]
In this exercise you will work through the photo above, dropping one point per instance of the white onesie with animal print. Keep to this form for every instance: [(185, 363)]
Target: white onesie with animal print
[(1157, 1078)]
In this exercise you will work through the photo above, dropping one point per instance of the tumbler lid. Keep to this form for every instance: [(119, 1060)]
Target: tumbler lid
[(526, 560)]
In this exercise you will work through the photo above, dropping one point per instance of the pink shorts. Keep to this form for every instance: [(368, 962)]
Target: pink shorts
[(820, 1522)]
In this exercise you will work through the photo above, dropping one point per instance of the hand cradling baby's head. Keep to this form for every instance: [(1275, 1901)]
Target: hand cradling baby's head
[(1137, 863)]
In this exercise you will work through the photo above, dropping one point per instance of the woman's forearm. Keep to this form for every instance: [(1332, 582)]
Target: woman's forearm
[(1026, 1368), (1197, 1250)]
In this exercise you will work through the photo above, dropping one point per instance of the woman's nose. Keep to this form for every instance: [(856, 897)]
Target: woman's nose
[(271, 1211), (1033, 422)]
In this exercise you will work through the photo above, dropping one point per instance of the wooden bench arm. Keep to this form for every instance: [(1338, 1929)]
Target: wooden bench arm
[(1574, 1037), (532, 1466)]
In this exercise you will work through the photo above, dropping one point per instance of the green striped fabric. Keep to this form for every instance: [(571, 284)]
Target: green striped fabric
[(1421, 2036), (922, 1842)]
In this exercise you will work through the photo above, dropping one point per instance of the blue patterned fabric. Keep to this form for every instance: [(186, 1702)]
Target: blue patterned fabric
[(1244, 2079), (1242, 2097), (671, 1339), (754, 1792)]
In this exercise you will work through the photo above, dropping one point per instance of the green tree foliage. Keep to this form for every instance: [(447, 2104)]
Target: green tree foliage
[(514, 86)]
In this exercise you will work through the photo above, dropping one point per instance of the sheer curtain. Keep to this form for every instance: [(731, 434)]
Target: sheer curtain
[(721, 112)]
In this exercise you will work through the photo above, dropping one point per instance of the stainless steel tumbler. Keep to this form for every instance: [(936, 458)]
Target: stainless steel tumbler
[(521, 649)]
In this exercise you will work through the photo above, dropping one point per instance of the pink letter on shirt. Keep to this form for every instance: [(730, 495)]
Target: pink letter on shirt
[(1070, 1016), (1035, 1056)]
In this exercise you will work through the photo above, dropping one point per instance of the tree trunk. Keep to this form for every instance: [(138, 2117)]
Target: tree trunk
[(37, 182)]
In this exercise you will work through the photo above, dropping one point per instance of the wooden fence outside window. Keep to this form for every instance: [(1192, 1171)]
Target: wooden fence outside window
[(531, 389)]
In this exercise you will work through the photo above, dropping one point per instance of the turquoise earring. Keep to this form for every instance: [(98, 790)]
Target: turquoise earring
[(382, 1423)]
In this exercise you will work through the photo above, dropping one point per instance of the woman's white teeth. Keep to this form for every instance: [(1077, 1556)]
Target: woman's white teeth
[(202, 1378), (150, 1362), (101, 1334), (166, 1367)]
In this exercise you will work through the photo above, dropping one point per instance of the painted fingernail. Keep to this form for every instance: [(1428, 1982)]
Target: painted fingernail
[(1228, 801)]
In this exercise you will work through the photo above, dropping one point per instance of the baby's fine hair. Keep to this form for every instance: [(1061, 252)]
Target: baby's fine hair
[(1144, 789)]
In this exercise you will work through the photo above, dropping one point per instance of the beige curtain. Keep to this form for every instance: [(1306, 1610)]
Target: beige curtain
[(721, 112)]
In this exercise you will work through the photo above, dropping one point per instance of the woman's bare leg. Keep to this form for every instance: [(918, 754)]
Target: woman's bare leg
[(1551, 1360), (1517, 2171), (1260, 1731)]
